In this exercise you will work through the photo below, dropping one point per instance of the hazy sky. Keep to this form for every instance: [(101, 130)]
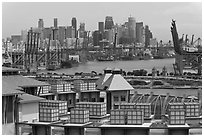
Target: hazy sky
[(188, 16)]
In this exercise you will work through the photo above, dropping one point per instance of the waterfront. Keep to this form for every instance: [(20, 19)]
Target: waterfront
[(125, 65)]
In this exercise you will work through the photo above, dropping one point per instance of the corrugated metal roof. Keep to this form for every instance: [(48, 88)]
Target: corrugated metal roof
[(27, 98), (9, 89), (20, 81), (116, 82)]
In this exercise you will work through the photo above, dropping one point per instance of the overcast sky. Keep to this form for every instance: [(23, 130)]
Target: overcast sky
[(188, 16)]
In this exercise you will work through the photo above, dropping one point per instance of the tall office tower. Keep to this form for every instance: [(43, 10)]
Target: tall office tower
[(70, 32), (61, 34), (55, 23), (82, 27), (148, 35), (81, 30), (101, 26), (40, 24), (47, 33), (139, 32), (74, 25), (109, 22), (132, 27), (96, 38)]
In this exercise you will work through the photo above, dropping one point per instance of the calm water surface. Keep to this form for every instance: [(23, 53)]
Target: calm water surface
[(125, 65)]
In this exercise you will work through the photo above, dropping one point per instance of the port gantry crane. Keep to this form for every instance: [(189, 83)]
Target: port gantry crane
[(186, 58)]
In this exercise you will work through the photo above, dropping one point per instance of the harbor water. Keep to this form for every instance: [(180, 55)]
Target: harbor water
[(125, 65)]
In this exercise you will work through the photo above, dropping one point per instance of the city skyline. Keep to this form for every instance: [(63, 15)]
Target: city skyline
[(157, 16)]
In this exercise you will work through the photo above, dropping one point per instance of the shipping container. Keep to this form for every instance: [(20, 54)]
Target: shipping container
[(46, 89), (118, 117), (127, 105), (79, 116), (135, 117), (177, 116), (60, 86), (176, 105), (95, 108), (48, 114), (91, 86), (192, 109), (60, 105), (145, 107)]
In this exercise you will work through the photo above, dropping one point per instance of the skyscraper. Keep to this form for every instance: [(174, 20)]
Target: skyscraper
[(74, 25), (109, 22), (55, 23), (81, 30), (70, 32), (82, 27), (40, 24), (132, 27), (101, 26), (148, 35), (139, 32)]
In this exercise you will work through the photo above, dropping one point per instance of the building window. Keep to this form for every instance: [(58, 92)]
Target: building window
[(115, 98), (122, 98)]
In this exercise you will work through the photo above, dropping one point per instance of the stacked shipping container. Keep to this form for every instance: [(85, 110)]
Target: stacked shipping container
[(127, 105), (135, 117), (95, 108), (48, 114), (192, 109), (117, 117), (60, 86), (176, 114), (79, 116), (81, 86), (145, 107), (127, 116), (60, 105)]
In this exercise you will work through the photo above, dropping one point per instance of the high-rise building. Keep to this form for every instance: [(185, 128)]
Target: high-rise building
[(55, 23), (81, 30), (101, 26), (148, 35), (47, 33), (82, 27), (139, 32), (132, 27), (61, 33), (70, 32), (96, 38), (109, 22), (40, 24), (74, 25)]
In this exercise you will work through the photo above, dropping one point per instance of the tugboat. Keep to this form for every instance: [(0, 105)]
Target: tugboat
[(73, 61)]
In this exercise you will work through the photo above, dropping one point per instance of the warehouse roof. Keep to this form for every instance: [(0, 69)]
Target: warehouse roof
[(27, 98), (9, 89), (116, 82), (20, 81), (104, 77)]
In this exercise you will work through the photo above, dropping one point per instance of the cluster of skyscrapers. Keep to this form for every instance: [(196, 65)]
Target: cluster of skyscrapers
[(128, 33)]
